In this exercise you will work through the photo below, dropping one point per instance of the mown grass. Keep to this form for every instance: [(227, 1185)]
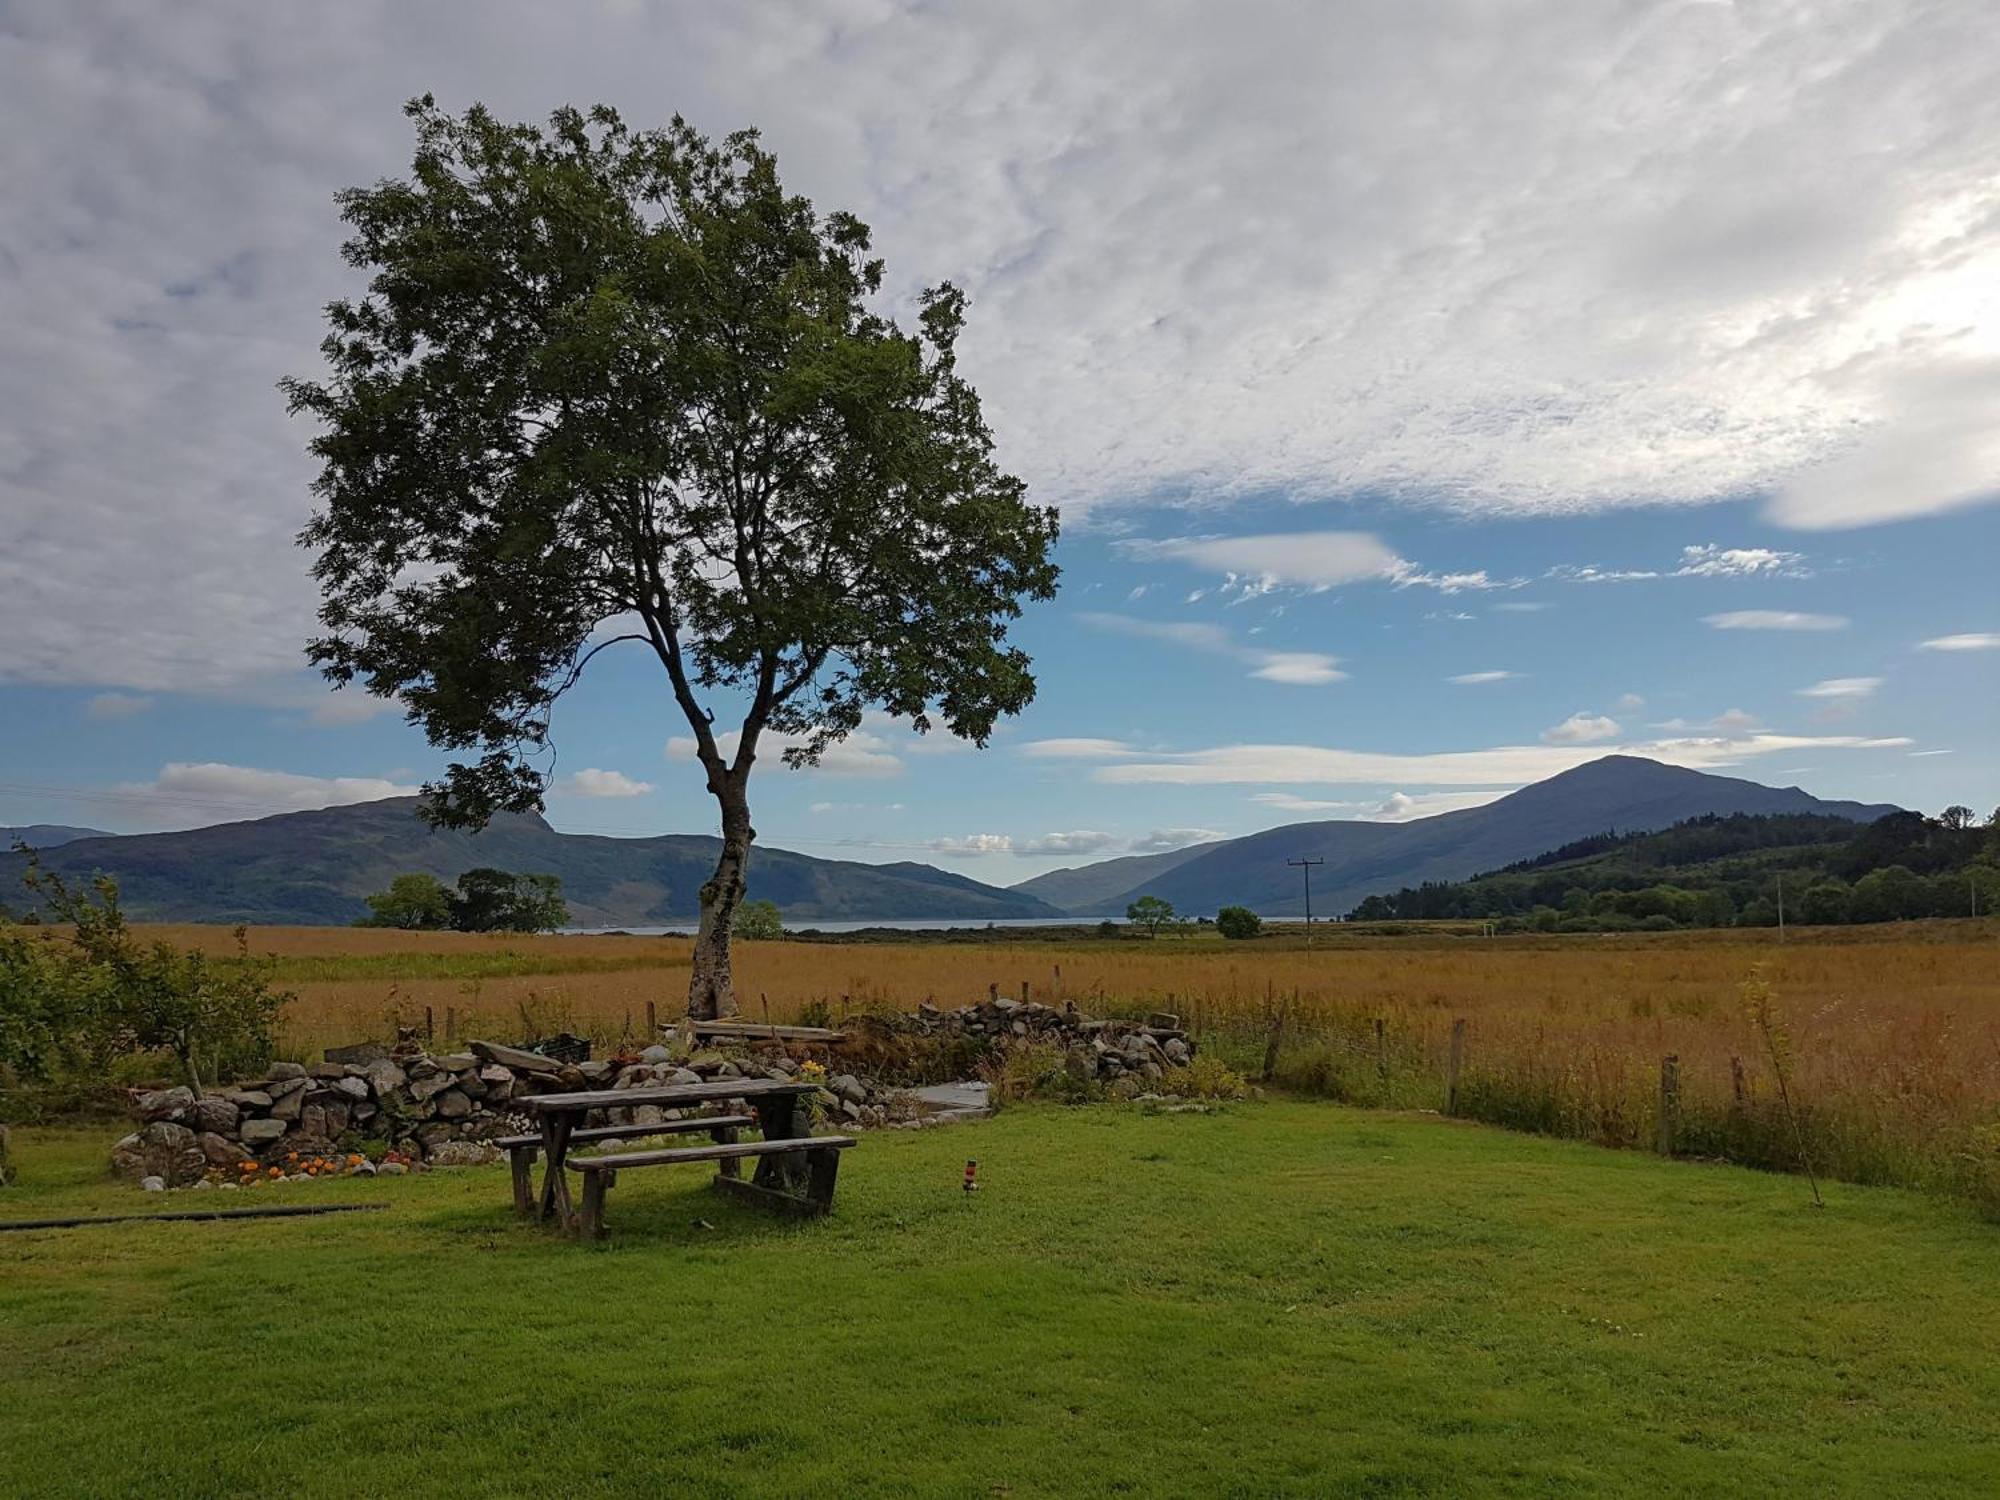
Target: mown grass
[(1283, 1299)]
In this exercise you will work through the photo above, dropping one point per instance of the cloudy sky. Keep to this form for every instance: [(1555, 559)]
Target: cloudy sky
[(1437, 396)]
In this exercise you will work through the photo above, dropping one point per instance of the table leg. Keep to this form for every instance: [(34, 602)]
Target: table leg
[(555, 1178), (779, 1116)]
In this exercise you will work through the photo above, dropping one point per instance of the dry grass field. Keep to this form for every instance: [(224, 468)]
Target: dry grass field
[(1891, 1034)]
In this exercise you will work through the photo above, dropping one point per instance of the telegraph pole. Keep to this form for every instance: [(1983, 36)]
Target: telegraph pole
[(1305, 867)]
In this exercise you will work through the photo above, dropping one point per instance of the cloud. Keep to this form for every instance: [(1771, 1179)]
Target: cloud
[(1164, 840), (973, 844), (1241, 256), (1302, 559), (350, 706), (1078, 748), (1523, 606), (1628, 702), (1842, 687), (864, 753), (1773, 619), (1079, 841), (192, 795), (1581, 728), (829, 807), (1471, 679), (115, 706), (1296, 668), (1293, 802), (1977, 641), (595, 783), (1498, 766), (1712, 561), (1729, 721), (1923, 754)]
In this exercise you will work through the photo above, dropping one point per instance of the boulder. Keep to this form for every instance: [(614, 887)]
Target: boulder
[(165, 1104), (452, 1105), (128, 1159), (390, 1169), (153, 1184), (262, 1132), (656, 1054), (284, 1088), (312, 1121), (1177, 1052), (285, 1072), (515, 1058), (249, 1098), (353, 1088), (360, 1055), (215, 1113), (435, 1083), (290, 1106), (218, 1150), (383, 1076)]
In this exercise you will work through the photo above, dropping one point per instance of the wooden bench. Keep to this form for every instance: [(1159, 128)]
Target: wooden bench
[(523, 1149), (822, 1162)]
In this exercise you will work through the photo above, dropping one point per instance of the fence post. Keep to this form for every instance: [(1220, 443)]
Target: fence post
[(451, 1023), (430, 1025), (1024, 992), (1381, 1051), (1453, 1066), (1670, 1101), (652, 1022), (993, 991), (1277, 1035)]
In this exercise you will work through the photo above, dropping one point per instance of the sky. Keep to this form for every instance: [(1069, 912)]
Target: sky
[(1436, 397)]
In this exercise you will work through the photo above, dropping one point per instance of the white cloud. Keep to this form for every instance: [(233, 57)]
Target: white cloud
[(1675, 253), (1499, 766), (1161, 840), (1293, 802), (1729, 721), (1301, 559), (1627, 702), (829, 807), (1842, 687), (1977, 641), (1923, 754), (1471, 679), (1773, 619), (1078, 841), (115, 706), (1397, 807), (1712, 561), (350, 706), (1078, 748), (192, 795), (592, 782), (1523, 606), (864, 753), (1581, 728), (973, 844), (1297, 668)]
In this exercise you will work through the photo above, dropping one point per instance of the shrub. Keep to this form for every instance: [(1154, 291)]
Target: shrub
[(1205, 1077), (1238, 922), (759, 919)]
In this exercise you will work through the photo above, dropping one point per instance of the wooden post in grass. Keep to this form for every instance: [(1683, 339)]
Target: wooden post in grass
[(1277, 1035), (1381, 1051), (1670, 1102), (1024, 992), (993, 991), (430, 1026), (451, 1023), (1453, 1066), (652, 1021)]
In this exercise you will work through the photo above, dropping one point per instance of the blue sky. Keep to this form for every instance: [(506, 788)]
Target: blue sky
[(1649, 356)]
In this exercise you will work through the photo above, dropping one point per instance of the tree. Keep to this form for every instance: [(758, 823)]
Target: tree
[(1825, 904), (759, 919), (414, 903), (610, 386), (489, 900), (1958, 817), (1238, 922), (1151, 913)]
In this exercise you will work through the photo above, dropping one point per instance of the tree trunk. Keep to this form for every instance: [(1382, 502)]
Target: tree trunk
[(711, 993)]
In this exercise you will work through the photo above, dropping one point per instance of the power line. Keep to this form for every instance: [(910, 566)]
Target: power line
[(1305, 866)]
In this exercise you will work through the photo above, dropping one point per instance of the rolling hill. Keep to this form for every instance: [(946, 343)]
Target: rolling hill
[(1363, 859), (1077, 887), (47, 835), (316, 867)]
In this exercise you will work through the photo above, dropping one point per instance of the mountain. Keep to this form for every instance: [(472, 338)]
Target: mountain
[(1077, 887), (47, 835), (1362, 859), (316, 867)]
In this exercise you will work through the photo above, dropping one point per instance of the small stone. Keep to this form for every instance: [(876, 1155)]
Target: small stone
[(250, 1099), (1177, 1052), (593, 1072), (326, 1071), (285, 1088), (354, 1088), (494, 1073), (656, 1054), (153, 1184), (462, 1154), (391, 1169), (684, 1075), (728, 1070), (648, 1114), (471, 1085), (336, 1118)]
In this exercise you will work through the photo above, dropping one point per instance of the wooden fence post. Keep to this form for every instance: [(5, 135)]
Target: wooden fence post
[(652, 1022), (993, 991), (1453, 1066), (430, 1025), (1277, 1035), (1381, 1051), (1670, 1101), (451, 1023), (1024, 992)]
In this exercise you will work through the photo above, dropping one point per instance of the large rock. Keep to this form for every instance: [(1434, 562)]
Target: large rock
[(218, 1150), (312, 1121), (249, 1098), (216, 1114), (436, 1083), (262, 1132), (353, 1088), (656, 1054), (285, 1072), (284, 1088), (383, 1076), (360, 1055), (515, 1058), (165, 1104), (290, 1106), (452, 1105)]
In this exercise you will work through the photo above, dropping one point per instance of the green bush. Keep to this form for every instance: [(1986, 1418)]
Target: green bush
[(1238, 922)]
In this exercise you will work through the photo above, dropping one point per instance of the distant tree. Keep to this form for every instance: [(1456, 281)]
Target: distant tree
[(759, 919), (1826, 903), (1238, 922), (611, 386), (415, 903), (1151, 913), (489, 900), (1957, 817)]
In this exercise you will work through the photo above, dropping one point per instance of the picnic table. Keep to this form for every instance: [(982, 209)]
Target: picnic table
[(795, 1169)]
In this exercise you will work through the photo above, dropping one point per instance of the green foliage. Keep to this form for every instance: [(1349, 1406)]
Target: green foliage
[(1150, 912), (494, 901), (1204, 1076), (1238, 922), (759, 919), (414, 903), (70, 1004)]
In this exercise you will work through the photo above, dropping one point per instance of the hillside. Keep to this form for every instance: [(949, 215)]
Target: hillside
[(1737, 871), (316, 867), (1077, 887), (1362, 859), (47, 835)]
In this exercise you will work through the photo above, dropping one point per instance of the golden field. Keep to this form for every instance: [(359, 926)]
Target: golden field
[(1893, 1032)]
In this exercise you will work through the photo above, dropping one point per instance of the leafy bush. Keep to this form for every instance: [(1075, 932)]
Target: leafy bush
[(1205, 1077), (1238, 922), (759, 919)]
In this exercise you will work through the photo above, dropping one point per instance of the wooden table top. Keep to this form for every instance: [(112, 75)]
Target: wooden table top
[(667, 1095)]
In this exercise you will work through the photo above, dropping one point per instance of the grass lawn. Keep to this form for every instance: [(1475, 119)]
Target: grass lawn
[(1285, 1299)]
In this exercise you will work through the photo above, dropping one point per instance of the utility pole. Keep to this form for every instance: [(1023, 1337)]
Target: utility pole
[(1781, 906), (1305, 867)]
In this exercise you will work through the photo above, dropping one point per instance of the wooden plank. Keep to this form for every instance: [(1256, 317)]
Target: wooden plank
[(514, 1057), (671, 1155), (764, 1031), (623, 1132), (669, 1095)]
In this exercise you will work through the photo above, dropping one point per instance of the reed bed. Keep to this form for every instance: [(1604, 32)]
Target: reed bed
[(1893, 1038)]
